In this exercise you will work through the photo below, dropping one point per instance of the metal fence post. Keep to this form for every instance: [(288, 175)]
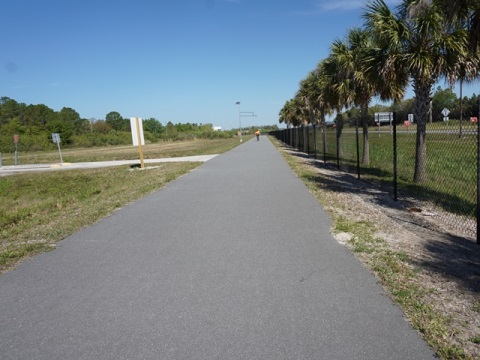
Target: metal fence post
[(324, 141), (478, 171), (395, 158), (358, 149), (337, 129), (306, 140)]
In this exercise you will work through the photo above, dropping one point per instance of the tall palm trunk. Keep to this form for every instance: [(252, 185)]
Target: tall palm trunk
[(339, 128), (366, 147), (422, 96)]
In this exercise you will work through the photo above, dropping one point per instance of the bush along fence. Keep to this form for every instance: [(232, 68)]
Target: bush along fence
[(445, 185)]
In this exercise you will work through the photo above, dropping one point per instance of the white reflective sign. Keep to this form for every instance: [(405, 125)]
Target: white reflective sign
[(135, 131)]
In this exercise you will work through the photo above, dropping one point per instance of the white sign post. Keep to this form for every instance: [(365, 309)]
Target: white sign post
[(56, 140), (136, 125), (445, 113), (384, 117)]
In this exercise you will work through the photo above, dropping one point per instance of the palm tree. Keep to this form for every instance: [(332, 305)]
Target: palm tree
[(335, 95), (466, 69), (306, 97), (314, 93), (349, 58), (466, 12), (288, 114), (414, 43), (291, 116), (326, 100)]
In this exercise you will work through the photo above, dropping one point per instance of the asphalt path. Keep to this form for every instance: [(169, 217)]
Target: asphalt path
[(232, 261), (15, 169)]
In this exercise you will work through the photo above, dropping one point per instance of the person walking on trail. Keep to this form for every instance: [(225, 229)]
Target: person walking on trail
[(257, 134)]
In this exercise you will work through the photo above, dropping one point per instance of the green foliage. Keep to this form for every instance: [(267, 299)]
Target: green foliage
[(97, 139), (443, 98), (116, 121), (36, 123), (14, 126), (377, 108), (39, 115), (64, 128), (403, 108), (153, 126), (72, 118)]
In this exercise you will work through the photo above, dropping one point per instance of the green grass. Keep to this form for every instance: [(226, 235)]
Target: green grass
[(451, 163), (39, 209)]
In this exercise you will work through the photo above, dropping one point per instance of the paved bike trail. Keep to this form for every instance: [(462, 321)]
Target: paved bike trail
[(231, 261)]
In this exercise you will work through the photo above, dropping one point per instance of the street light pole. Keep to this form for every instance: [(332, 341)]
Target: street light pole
[(239, 120), (243, 114)]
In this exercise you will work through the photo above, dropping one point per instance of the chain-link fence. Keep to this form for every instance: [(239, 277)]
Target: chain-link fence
[(449, 186)]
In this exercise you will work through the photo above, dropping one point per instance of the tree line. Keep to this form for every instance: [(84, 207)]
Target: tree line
[(35, 123), (441, 99), (415, 44)]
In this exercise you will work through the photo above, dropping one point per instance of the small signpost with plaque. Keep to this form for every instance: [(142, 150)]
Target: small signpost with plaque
[(445, 113), (56, 140), (15, 141), (136, 126), (384, 117)]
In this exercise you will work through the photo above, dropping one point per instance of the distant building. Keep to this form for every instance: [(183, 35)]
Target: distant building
[(217, 128)]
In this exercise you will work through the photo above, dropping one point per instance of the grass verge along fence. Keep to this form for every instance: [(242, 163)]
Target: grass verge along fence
[(450, 191)]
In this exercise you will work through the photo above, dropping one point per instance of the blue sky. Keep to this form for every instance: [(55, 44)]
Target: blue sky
[(178, 60)]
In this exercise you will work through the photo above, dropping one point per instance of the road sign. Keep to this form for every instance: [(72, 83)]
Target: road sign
[(445, 112), (136, 125), (383, 117), (56, 140), (15, 138)]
